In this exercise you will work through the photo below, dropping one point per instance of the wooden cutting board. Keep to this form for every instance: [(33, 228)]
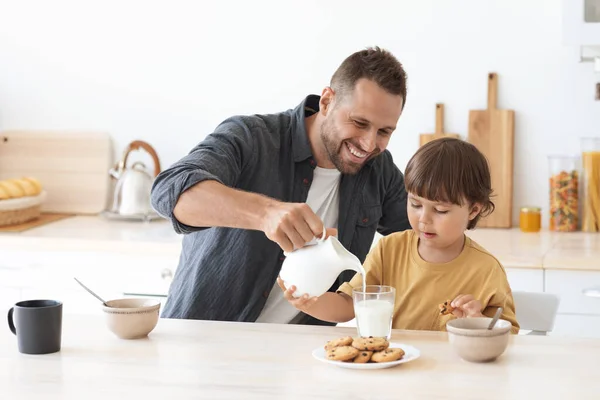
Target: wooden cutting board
[(71, 166), (439, 127), (40, 221), (492, 132)]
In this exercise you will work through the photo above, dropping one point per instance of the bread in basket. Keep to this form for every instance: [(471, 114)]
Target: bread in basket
[(21, 200)]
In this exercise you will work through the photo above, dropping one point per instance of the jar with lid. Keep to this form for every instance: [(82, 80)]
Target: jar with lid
[(564, 193), (530, 219), (590, 157)]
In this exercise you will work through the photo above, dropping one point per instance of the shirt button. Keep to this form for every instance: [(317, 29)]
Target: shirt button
[(365, 220), (305, 181), (265, 294)]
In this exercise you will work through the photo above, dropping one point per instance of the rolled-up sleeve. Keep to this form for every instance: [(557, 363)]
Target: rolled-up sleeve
[(222, 157)]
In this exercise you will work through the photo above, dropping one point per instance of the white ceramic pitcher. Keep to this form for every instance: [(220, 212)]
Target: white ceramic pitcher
[(314, 268)]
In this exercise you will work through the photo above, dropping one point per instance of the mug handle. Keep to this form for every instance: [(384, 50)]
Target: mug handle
[(11, 324)]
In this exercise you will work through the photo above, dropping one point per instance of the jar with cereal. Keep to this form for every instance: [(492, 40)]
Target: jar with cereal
[(564, 193), (590, 182)]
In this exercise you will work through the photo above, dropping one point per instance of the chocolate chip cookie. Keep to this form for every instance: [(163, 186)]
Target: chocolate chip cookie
[(343, 341), (371, 343), (446, 308), (387, 355), (363, 357), (342, 353)]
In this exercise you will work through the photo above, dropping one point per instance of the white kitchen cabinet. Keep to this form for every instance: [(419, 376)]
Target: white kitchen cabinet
[(525, 279), (10, 287), (578, 315), (585, 326), (49, 275), (10, 277), (8, 297), (147, 276), (74, 301), (569, 286), (581, 22)]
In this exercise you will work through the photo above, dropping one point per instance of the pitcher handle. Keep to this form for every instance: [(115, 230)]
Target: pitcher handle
[(318, 240), (324, 235)]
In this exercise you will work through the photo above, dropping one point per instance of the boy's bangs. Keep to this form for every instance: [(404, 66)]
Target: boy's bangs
[(435, 182)]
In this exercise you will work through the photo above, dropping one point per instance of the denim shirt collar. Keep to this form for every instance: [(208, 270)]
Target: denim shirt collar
[(301, 146)]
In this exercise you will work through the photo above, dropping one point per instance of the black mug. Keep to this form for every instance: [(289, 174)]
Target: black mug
[(38, 325)]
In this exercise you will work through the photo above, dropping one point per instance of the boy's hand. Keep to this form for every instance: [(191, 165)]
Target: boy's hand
[(302, 303), (466, 306)]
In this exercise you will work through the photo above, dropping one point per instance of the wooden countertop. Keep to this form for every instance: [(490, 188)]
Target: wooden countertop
[(544, 250), (514, 249), (96, 233), (185, 359)]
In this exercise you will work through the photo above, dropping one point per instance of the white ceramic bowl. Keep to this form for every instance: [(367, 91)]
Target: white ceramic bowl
[(472, 341), (131, 318)]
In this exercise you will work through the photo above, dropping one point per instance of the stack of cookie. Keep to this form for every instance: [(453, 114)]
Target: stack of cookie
[(362, 350)]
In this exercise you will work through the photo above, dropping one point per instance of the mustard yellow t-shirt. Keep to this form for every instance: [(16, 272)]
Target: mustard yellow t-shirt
[(422, 286)]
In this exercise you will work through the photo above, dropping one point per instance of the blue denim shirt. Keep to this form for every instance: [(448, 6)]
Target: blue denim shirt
[(226, 274)]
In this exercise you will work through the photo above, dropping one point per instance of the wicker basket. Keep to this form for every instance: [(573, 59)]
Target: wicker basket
[(18, 211)]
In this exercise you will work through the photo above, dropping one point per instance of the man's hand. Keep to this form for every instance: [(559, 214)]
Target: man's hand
[(292, 225)]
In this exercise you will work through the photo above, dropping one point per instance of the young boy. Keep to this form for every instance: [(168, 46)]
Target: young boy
[(449, 187)]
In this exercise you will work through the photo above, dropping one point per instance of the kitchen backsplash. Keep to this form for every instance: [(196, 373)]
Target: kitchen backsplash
[(171, 86)]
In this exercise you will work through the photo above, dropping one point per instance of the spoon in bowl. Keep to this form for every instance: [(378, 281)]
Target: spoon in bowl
[(92, 293), (495, 319)]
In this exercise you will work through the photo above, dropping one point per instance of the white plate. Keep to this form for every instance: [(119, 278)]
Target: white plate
[(410, 353)]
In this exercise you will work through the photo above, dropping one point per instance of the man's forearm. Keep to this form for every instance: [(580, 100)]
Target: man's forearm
[(210, 203)]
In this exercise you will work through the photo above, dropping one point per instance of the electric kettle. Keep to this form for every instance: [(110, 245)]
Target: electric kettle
[(134, 183)]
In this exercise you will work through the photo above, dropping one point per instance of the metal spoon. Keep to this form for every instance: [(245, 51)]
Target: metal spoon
[(495, 319), (92, 293)]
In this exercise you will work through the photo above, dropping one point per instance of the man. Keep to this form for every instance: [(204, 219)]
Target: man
[(263, 184)]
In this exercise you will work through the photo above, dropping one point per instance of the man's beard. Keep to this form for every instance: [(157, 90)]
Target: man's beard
[(328, 132)]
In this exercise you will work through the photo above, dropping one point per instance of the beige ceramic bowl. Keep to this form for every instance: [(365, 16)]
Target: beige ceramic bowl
[(472, 341), (131, 318)]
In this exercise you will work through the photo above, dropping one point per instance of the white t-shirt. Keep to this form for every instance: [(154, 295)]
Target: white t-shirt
[(323, 199)]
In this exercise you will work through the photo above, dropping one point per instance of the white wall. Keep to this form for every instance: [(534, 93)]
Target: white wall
[(168, 72)]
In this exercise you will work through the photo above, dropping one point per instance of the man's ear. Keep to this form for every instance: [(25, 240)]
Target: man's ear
[(327, 99), (475, 210)]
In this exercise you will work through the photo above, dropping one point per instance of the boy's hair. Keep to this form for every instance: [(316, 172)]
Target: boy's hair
[(451, 170), (375, 64)]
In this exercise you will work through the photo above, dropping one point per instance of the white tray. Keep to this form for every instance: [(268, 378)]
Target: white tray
[(134, 217)]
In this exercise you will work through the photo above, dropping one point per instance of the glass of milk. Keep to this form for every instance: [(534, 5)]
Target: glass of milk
[(374, 309)]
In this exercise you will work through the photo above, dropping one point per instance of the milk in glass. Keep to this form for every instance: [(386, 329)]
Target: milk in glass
[(374, 317)]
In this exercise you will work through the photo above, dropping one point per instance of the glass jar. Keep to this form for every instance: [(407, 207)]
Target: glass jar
[(530, 219), (564, 193), (590, 160)]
